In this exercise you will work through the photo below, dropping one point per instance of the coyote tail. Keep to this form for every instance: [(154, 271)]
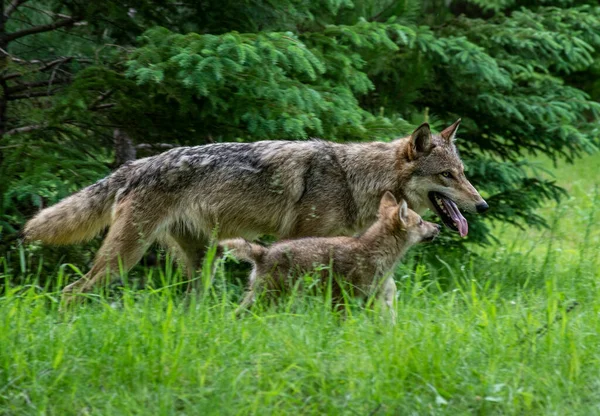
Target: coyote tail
[(78, 217), (243, 249)]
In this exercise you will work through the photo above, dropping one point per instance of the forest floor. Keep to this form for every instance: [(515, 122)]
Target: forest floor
[(512, 329)]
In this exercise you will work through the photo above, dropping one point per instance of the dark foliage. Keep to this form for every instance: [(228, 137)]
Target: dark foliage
[(76, 75)]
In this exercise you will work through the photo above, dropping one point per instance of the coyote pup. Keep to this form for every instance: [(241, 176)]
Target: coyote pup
[(364, 262)]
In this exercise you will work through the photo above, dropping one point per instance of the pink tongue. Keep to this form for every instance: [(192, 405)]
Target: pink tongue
[(457, 217)]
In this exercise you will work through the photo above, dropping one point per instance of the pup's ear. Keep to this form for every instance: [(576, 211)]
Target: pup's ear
[(387, 201), (420, 141), (449, 133), (403, 212)]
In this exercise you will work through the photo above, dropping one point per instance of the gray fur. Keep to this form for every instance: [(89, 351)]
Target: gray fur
[(283, 188)]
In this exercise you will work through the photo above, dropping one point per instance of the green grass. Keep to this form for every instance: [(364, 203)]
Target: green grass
[(490, 334)]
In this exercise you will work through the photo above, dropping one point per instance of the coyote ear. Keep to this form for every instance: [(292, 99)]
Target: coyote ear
[(450, 132), (387, 201), (403, 211), (420, 140)]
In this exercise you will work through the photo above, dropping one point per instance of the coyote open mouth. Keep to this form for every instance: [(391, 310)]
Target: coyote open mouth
[(449, 213)]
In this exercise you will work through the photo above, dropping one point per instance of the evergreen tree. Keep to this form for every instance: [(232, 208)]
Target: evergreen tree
[(519, 74), (48, 48), (350, 72)]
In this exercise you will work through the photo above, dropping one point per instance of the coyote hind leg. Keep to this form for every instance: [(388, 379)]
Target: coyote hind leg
[(124, 246), (189, 250)]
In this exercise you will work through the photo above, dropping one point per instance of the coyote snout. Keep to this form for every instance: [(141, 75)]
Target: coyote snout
[(432, 231), (417, 230)]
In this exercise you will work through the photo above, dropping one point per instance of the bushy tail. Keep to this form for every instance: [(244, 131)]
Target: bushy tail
[(78, 217), (243, 249)]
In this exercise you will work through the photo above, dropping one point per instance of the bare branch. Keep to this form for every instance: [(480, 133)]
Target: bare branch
[(11, 76), (47, 65), (12, 7), (103, 106), (47, 12), (41, 28), (53, 75), (32, 94), (12, 57), (54, 15), (58, 61), (25, 129), (28, 85), (95, 104)]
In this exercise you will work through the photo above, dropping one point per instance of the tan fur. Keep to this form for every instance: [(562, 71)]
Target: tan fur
[(285, 189), (364, 262), (72, 220), (79, 217), (61, 224)]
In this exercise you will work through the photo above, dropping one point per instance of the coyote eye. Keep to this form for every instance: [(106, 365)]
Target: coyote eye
[(447, 174), (420, 222)]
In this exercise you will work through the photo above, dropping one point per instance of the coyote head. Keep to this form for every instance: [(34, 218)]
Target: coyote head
[(403, 221), (434, 177)]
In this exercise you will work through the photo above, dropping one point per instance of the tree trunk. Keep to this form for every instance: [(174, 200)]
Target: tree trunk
[(3, 98), (124, 148)]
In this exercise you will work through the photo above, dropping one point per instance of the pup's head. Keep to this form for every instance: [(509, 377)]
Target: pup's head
[(402, 220), (435, 177)]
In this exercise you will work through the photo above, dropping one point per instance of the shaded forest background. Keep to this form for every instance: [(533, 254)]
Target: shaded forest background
[(87, 85)]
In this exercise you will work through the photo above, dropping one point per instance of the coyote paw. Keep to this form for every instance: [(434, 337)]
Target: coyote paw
[(71, 295)]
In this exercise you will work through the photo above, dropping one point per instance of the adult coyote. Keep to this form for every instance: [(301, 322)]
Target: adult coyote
[(285, 188)]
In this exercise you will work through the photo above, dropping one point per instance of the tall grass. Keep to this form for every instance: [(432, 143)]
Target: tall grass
[(511, 330)]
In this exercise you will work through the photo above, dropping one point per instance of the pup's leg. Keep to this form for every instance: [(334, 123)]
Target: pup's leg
[(254, 285), (246, 303), (387, 297), (124, 246)]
